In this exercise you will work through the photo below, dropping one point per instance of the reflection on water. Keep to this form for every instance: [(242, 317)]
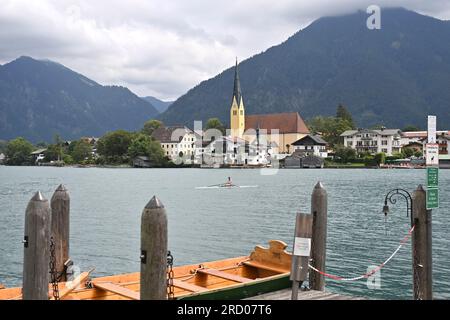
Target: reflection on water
[(209, 224)]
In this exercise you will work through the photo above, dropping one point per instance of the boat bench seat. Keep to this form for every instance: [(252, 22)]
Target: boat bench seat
[(224, 275), (265, 267), (114, 288), (188, 286)]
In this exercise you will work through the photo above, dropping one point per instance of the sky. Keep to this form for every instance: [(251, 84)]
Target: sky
[(164, 48)]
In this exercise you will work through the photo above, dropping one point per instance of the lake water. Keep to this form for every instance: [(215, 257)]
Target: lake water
[(210, 224)]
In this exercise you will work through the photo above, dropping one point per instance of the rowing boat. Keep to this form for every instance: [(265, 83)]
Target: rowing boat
[(225, 185), (264, 270)]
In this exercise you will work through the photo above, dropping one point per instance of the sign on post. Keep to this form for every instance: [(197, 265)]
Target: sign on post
[(432, 198), (301, 251), (432, 154), (432, 162), (432, 177)]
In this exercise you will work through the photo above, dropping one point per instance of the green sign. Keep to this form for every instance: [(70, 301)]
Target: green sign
[(432, 198), (432, 177)]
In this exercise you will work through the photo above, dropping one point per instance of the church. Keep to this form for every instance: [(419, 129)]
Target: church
[(263, 127)]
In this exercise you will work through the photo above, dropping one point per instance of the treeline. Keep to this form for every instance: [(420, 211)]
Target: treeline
[(114, 148)]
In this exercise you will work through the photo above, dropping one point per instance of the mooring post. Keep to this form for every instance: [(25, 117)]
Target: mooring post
[(154, 251), (301, 252), (36, 256), (421, 247), (60, 205), (319, 208)]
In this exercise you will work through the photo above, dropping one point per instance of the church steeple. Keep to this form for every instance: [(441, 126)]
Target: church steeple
[(237, 112), (237, 94)]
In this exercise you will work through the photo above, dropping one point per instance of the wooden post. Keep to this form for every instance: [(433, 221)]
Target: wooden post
[(301, 252), (421, 247), (319, 207), (60, 205), (36, 255), (154, 251)]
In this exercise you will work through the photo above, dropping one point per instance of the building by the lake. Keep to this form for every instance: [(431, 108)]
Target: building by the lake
[(383, 140), (177, 142)]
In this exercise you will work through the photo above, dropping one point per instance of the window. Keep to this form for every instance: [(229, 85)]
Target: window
[(242, 112), (234, 113), (384, 143), (384, 150), (350, 143)]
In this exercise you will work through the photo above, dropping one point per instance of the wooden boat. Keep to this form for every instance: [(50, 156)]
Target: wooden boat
[(264, 270)]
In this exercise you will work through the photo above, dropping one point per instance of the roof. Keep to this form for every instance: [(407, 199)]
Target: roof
[(384, 132), (166, 134), (237, 85), (289, 122), (38, 151), (442, 136), (420, 134), (310, 140)]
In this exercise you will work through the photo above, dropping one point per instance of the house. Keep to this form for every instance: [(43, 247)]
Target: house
[(301, 159), (178, 143), (373, 141), (415, 146), (2, 159), (281, 129), (311, 144), (233, 151), (38, 155)]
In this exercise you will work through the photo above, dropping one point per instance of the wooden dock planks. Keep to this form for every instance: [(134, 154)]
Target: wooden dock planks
[(303, 295)]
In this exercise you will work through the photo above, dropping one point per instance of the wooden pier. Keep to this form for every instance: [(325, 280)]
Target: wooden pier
[(304, 295)]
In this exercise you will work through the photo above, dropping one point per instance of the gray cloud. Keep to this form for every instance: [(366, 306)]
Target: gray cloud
[(163, 48)]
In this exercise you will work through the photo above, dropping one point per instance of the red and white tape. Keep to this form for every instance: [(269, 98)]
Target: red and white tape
[(372, 272)]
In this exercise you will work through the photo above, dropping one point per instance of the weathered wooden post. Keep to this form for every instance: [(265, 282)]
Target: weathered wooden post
[(421, 247), (36, 255), (319, 208), (60, 205), (301, 252), (154, 251)]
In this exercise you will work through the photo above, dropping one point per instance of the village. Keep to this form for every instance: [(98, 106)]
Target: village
[(252, 141)]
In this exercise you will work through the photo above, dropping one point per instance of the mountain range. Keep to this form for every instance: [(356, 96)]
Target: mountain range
[(394, 76), (41, 98)]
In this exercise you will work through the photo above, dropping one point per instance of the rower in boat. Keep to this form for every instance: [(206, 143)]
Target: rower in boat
[(229, 183)]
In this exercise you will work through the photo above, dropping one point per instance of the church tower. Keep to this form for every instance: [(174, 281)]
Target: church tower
[(237, 111)]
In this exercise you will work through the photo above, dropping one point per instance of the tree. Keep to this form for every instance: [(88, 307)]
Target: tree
[(114, 146), (407, 152), (410, 128), (151, 126), (143, 145), (380, 158), (215, 123), (81, 151), (330, 128), (18, 152), (346, 154), (53, 153), (344, 114), (3, 145)]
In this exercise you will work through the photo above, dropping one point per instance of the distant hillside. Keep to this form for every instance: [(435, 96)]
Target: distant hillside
[(41, 98), (159, 105), (394, 76)]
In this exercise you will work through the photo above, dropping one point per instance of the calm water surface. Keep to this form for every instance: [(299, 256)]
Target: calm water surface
[(210, 224)]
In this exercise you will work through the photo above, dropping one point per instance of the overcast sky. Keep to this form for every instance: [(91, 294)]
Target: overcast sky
[(163, 48)]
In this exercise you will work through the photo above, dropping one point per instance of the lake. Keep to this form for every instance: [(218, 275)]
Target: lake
[(211, 224)]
